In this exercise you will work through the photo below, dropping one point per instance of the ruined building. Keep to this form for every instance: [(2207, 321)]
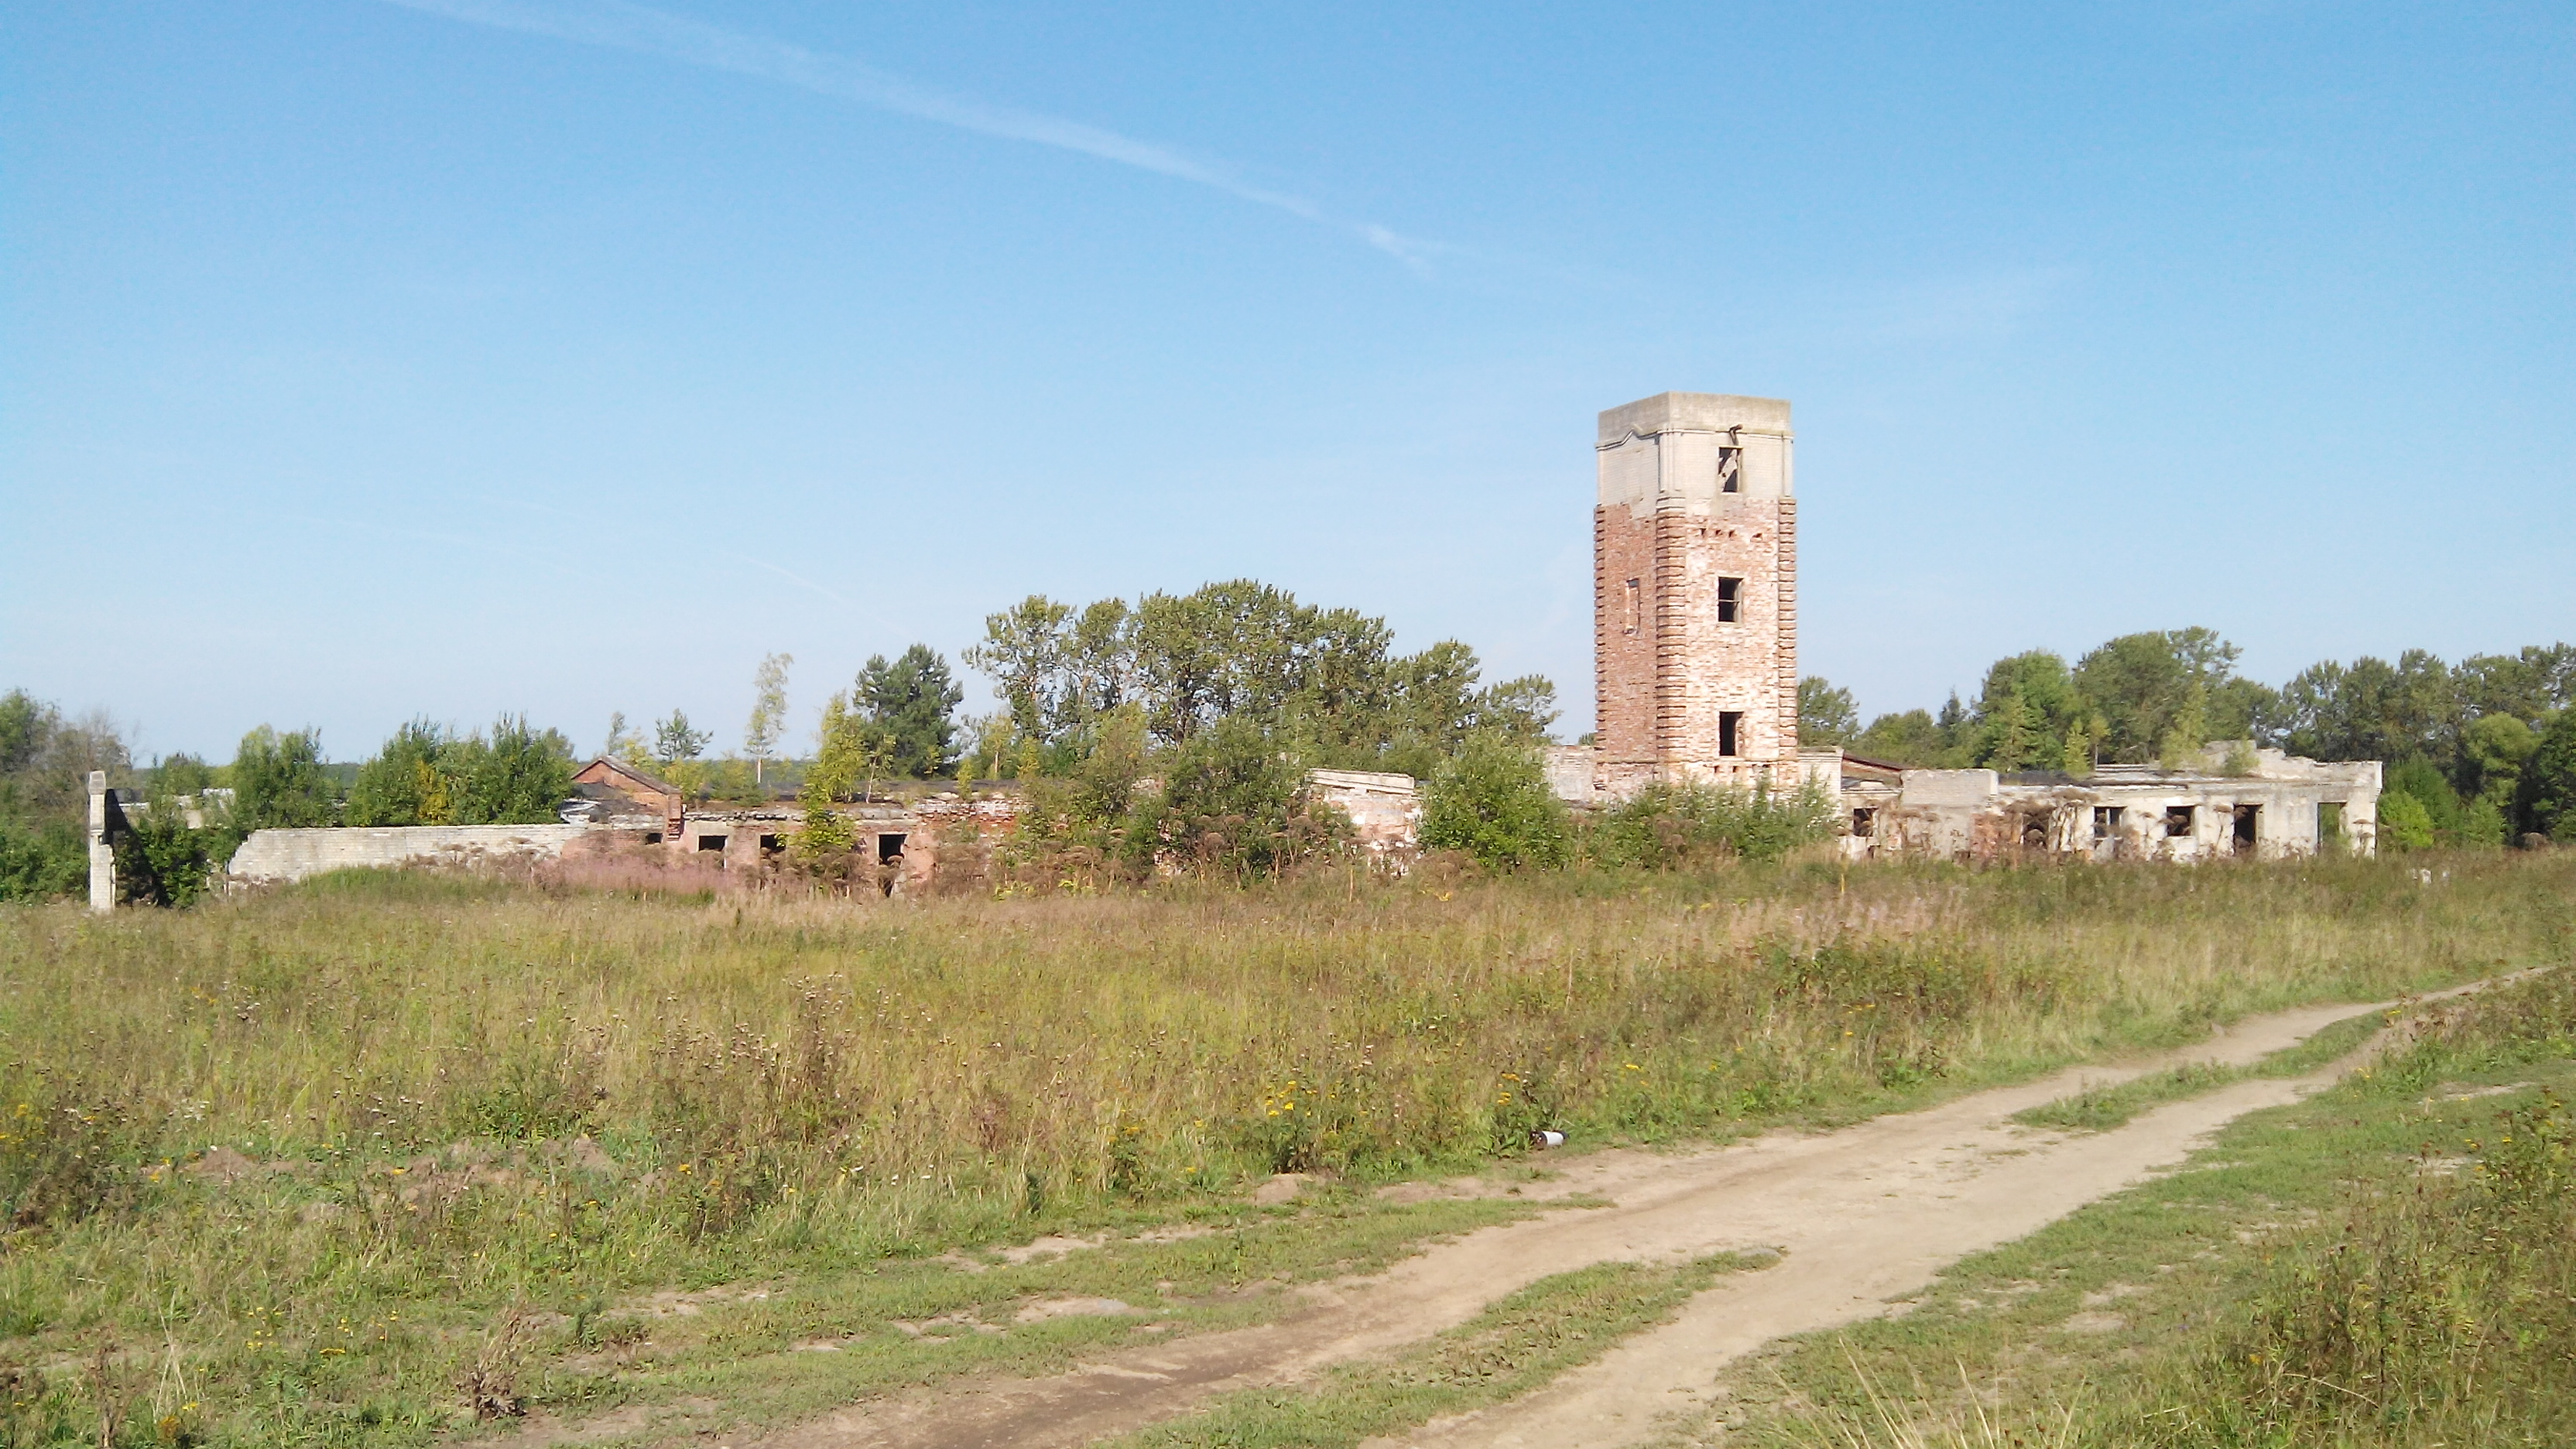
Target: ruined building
[(1695, 638)]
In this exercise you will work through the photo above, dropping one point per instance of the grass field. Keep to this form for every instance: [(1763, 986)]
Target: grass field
[(327, 1165), (2390, 1265)]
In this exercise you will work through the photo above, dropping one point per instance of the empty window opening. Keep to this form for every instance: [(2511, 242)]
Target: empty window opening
[(2034, 831), (652, 837), (1730, 470), (2249, 828), (1628, 607), (1730, 600), (1864, 823), (2329, 823), (2106, 821), (772, 844), (1730, 732), (711, 842), (2179, 819), (889, 848)]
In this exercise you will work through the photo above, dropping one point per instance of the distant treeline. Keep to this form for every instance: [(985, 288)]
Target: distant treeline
[(1182, 724), (2479, 753)]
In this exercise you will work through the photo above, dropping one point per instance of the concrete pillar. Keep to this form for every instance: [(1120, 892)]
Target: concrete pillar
[(102, 856)]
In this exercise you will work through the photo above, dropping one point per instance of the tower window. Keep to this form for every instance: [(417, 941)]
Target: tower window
[(1730, 470), (1628, 609), (1730, 600), (1730, 733)]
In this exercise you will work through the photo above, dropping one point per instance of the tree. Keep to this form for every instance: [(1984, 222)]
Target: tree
[(1026, 654), (1521, 709), (1326, 682), (674, 740), (2371, 710), (913, 701), (768, 712), (279, 783), (1912, 737), (2419, 780), (408, 782), (2151, 689), (518, 777), (2545, 797), (2495, 747), (1491, 800), (623, 743), (1827, 715)]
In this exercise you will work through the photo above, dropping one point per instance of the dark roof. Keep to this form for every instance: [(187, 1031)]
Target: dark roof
[(1867, 764), (630, 772)]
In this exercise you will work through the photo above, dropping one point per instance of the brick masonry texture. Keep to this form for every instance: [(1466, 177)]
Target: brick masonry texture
[(1667, 534)]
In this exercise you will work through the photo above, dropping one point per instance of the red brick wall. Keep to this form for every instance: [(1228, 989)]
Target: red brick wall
[(1662, 688)]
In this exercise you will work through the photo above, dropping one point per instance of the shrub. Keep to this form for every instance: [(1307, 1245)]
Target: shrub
[(2404, 822), (1491, 800), (40, 860), (1232, 801), (1669, 827)]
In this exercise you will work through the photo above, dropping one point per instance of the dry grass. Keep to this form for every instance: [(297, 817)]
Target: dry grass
[(357, 1122)]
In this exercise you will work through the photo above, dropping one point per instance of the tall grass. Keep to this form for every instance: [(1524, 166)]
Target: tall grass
[(292, 1116)]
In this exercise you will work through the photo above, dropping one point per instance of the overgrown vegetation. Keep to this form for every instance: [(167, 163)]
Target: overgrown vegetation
[(2480, 753), (326, 1140), (2389, 1266)]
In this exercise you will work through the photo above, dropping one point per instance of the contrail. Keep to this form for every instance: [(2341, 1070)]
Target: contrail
[(620, 25)]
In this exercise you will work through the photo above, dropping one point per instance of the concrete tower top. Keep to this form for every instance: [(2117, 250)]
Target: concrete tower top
[(1693, 412)]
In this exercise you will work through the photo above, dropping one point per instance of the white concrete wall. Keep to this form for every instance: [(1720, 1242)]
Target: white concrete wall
[(289, 855)]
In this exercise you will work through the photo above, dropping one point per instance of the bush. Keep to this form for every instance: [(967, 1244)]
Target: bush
[(2404, 822), (1670, 827), (1232, 801), (2443, 813), (1491, 800), (40, 860)]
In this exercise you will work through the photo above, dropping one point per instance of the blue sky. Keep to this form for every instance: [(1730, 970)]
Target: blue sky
[(363, 360)]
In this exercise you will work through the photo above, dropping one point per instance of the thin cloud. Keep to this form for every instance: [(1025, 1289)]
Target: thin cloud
[(619, 25)]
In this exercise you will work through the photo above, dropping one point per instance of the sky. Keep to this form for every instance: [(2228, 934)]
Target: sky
[(370, 359)]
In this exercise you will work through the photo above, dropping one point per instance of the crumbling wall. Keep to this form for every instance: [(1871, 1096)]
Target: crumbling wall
[(291, 855), (1385, 810)]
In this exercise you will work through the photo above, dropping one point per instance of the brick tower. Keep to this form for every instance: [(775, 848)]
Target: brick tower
[(1695, 593)]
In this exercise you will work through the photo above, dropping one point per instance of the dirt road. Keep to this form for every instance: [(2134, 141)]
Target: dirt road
[(1865, 1216)]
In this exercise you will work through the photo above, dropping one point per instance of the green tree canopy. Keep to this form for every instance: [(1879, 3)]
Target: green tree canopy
[(1327, 681), (411, 781), (2545, 800), (279, 782), (1827, 715), (911, 701), (2152, 693)]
